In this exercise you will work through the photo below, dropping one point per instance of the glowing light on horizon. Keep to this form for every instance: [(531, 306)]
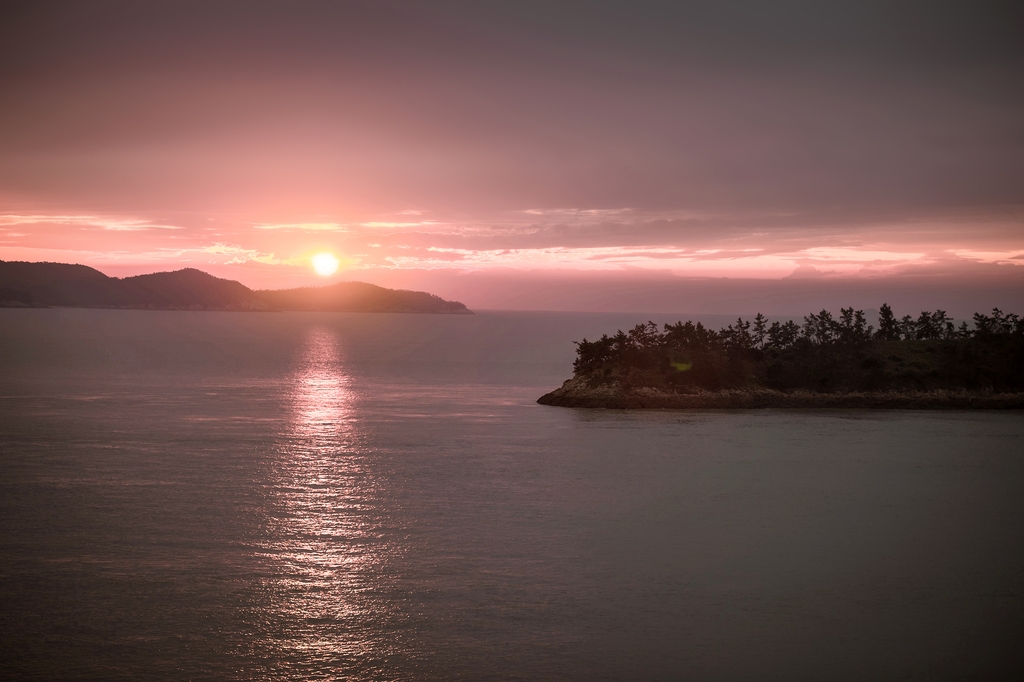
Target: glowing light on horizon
[(280, 255), (325, 264)]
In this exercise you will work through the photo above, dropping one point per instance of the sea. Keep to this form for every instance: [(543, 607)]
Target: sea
[(332, 496)]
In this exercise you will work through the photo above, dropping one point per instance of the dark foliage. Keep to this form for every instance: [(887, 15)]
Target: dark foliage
[(825, 354)]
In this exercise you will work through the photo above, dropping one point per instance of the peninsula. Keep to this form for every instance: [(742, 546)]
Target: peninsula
[(41, 285), (912, 363)]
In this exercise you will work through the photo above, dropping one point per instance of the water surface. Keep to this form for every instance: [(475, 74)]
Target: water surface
[(344, 496)]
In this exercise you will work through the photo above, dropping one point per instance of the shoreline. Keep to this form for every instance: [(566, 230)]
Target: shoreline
[(200, 309), (576, 393)]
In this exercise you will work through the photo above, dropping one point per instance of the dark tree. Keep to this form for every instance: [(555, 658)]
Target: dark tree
[(760, 330), (853, 328), (888, 325), (782, 336), (824, 354), (820, 329), (738, 338), (908, 328)]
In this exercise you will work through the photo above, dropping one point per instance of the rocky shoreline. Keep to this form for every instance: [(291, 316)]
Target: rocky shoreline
[(577, 392)]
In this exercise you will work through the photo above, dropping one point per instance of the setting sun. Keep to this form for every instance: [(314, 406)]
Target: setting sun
[(325, 264)]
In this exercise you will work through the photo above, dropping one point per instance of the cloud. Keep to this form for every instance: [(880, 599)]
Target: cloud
[(735, 244), (577, 213), (310, 227), (987, 256), (241, 255), (809, 272), (87, 221), (727, 232), (396, 224)]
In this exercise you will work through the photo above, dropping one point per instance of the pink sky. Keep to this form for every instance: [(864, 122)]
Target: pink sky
[(475, 151)]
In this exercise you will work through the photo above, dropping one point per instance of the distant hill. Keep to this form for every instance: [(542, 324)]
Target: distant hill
[(361, 297), (78, 286), (46, 284)]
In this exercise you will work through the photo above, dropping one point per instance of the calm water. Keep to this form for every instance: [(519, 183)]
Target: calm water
[(342, 496)]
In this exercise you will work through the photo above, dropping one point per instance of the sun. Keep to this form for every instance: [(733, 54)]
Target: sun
[(325, 264)]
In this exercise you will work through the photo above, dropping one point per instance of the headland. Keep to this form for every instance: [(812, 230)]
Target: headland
[(926, 362)]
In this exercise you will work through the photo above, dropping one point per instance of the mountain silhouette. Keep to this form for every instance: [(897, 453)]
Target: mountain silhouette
[(361, 297), (78, 286)]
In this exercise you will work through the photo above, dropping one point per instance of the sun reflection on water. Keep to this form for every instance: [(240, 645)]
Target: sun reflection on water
[(326, 543)]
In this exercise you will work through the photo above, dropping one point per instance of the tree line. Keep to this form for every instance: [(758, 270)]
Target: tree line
[(819, 332)]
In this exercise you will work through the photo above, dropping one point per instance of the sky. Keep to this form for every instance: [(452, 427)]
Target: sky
[(649, 156)]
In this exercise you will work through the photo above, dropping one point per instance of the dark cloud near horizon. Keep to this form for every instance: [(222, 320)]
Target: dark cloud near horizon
[(830, 109), (961, 288), (788, 232)]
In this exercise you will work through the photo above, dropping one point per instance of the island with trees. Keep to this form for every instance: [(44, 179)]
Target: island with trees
[(927, 362)]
